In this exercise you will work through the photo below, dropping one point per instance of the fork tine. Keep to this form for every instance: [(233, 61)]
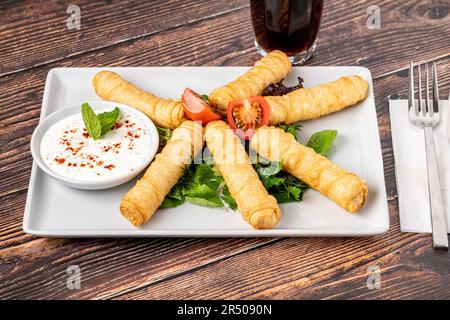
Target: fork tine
[(427, 90), (435, 89), (427, 121), (421, 106), (411, 100)]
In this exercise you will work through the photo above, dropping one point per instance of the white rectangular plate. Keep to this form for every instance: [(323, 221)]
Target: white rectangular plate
[(54, 210)]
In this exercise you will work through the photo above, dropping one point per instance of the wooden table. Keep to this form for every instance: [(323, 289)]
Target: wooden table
[(34, 38)]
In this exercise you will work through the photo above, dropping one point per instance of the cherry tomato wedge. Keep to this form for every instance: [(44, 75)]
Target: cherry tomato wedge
[(196, 108), (244, 116)]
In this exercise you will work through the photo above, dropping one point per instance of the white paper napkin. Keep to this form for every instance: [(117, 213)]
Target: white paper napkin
[(411, 167)]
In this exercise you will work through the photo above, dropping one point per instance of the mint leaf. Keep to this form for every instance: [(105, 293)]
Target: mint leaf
[(205, 97), (322, 141), (108, 120), (91, 121), (98, 125)]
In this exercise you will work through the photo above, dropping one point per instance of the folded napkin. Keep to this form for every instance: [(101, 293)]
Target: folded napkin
[(411, 167)]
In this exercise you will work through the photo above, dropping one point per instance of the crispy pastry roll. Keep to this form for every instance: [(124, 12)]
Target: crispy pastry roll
[(257, 207), (305, 104), (146, 196), (270, 69), (345, 188), (167, 113)]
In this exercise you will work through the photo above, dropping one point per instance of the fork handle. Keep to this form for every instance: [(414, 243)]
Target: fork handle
[(440, 239)]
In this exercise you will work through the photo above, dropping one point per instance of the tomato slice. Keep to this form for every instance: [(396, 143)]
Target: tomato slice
[(196, 108), (244, 116)]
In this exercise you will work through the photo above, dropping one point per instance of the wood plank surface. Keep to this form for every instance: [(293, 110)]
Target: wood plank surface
[(33, 39), (35, 32), (131, 263)]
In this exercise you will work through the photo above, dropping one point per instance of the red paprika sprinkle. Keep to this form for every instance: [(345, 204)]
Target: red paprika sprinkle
[(60, 160)]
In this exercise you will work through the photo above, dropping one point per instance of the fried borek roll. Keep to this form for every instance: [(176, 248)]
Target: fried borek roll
[(270, 69), (257, 207), (146, 196), (167, 113), (305, 104), (344, 188)]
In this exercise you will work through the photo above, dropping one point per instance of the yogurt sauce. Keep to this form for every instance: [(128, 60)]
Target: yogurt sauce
[(68, 150)]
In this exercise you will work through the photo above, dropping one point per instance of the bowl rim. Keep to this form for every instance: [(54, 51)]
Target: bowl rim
[(104, 182)]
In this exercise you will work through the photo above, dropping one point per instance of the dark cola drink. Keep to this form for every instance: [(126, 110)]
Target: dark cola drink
[(287, 25)]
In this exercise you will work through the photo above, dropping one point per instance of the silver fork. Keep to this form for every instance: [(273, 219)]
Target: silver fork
[(425, 114)]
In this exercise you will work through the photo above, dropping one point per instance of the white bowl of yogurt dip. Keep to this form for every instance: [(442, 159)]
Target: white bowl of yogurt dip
[(62, 147)]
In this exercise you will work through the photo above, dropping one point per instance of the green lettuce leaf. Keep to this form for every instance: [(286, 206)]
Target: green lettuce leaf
[(280, 184), (213, 201), (322, 141), (164, 136), (227, 198), (290, 128), (202, 184), (169, 202)]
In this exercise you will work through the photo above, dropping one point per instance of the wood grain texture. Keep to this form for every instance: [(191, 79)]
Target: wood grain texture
[(107, 265), (292, 268), (128, 34), (35, 32)]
